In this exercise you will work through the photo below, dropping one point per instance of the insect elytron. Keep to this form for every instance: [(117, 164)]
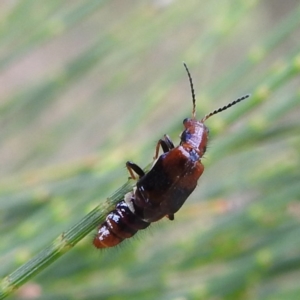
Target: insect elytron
[(163, 190)]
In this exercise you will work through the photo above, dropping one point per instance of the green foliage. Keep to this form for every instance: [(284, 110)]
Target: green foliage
[(88, 85)]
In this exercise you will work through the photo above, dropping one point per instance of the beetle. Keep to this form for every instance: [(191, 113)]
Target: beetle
[(164, 189)]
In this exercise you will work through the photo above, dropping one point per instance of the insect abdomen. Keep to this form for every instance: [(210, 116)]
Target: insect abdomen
[(120, 224)]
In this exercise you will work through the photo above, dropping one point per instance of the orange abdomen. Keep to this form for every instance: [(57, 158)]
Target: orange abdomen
[(119, 224)]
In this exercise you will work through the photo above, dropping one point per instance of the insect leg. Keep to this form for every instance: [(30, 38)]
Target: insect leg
[(166, 144), (132, 167), (170, 217)]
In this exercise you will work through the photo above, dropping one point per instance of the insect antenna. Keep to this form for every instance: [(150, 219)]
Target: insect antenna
[(193, 91), (224, 107)]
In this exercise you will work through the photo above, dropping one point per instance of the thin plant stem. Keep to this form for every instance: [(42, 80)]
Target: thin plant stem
[(62, 244)]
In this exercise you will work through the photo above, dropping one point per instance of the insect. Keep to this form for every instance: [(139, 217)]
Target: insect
[(163, 190)]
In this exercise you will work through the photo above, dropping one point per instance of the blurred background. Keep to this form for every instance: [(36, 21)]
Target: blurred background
[(87, 85)]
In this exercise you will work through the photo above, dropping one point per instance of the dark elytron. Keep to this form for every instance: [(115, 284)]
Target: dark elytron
[(163, 190)]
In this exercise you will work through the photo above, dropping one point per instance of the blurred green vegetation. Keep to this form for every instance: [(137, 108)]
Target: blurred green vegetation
[(87, 85)]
